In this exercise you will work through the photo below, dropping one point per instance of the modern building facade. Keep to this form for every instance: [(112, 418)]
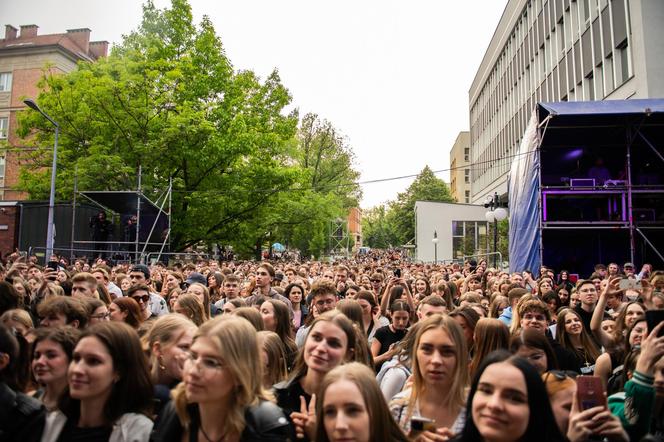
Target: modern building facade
[(460, 168), (23, 58), (558, 50), (459, 230)]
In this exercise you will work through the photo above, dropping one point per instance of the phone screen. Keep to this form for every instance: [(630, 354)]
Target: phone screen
[(654, 317), (590, 392)]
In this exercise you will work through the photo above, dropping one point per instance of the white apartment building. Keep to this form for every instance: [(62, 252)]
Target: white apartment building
[(558, 50)]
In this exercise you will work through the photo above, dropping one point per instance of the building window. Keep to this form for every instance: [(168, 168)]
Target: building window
[(4, 122), (466, 154), (624, 61), (5, 81), (466, 174), (2, 169), (468, 238), (467, 196)]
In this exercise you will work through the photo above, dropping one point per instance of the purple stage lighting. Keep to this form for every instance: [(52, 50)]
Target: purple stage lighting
[(574, 154)]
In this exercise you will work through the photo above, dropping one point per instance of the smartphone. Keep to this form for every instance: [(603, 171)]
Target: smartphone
[(53, 265), (397, 273), (420, 424), (589, 392), (629, 284), (654, 317)]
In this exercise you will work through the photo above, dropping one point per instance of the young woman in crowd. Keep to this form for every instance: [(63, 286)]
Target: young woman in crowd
[(22, 416), (610, 365), (277, 318), (52, 353), (490, 335), (571, 335), (168, 343), (371, 316), (190, 306), (222, 395), (508, 402), (110, 393), (332, 340), (421, 289), (440, 376), (215, 280), (98, 310), (273, 355), (233, 304), (394, 373), (126, 310), (350, 407), (467, 319), (534, 347), (563, 294), (543, 286), (252, 315), (383, 347), (203, 294), (497, 305), (295, 293), (552, 301), (18, 319)]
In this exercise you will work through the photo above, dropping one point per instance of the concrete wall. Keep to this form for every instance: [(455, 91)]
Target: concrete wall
[(433, 216)]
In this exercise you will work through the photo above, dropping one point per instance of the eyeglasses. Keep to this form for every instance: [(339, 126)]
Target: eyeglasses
[(207, 363), (376, 280), (144, 298), (323, 302), (101, 316)]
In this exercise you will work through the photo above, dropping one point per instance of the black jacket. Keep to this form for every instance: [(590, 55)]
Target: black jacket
[(264, 422), (22, 418)]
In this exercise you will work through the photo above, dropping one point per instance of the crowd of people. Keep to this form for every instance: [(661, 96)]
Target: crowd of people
[(368, 349)]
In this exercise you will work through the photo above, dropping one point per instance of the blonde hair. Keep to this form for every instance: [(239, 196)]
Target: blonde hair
[(236, 341), (490, 334), (456, 393), (166, 331), (277, 370), (18, 315), (193, 307)]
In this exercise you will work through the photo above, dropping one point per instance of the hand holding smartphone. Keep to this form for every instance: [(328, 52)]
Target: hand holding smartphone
[(589, 392)]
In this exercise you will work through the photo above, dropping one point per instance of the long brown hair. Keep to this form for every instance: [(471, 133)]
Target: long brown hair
[(133, 391), (589, 348), (456, 393), (490, 334), (236, 341), (381, 423)]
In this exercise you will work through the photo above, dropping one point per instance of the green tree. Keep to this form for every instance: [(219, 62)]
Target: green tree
[(167, 99), (378, 228), (426, 187)]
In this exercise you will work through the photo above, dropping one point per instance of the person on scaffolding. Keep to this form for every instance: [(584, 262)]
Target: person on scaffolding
[(102, 229)]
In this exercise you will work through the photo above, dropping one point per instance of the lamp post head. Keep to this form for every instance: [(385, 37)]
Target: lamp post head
[(490, 216), (31, 104), (435, 237), (500, 214)]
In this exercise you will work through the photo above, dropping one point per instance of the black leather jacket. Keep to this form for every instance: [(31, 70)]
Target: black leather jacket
[(22, 418), (264, 422)]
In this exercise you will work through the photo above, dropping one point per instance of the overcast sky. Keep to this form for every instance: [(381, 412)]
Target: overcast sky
[(392, 76)]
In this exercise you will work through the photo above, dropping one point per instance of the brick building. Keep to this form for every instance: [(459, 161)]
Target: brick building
[(23, 57)]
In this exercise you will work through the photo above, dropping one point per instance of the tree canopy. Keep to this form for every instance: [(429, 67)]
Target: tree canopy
[(168, 100), (394, 224)]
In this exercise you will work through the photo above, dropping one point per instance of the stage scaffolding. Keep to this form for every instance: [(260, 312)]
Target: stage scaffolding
[(152, 222)]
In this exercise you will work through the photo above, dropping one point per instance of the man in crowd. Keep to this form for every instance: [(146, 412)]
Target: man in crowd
[(340, 278), (84, 285), (59, 311), (588, 295), (513, 297), (323, 298), (101, 274), (141, 294), (431, 305), (140, 274), (264, 278)]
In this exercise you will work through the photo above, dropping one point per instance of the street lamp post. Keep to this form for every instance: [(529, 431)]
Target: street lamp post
[(51, 199), (434, 240), (495, 214)]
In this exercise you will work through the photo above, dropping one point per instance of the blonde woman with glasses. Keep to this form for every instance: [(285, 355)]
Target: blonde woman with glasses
[(222, 397)]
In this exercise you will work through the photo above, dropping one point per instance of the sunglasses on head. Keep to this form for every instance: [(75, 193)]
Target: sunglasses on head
[(144, 298), (561, 375)]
